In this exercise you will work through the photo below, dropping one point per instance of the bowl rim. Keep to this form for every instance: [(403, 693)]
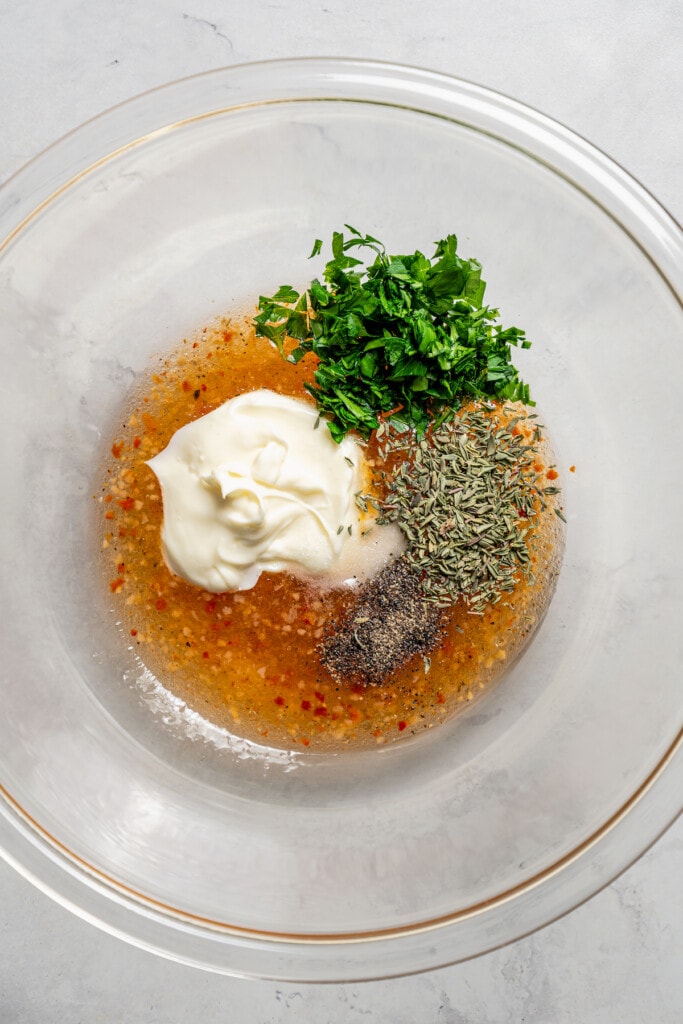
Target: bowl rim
[(29, 847)]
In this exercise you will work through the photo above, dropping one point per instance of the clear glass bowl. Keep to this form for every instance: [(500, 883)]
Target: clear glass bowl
[(188, 202)]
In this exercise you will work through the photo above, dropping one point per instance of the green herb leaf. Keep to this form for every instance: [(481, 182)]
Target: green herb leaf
[(402, 333)]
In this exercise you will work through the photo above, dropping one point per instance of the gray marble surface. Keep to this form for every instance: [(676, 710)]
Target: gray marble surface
[(611, 71)]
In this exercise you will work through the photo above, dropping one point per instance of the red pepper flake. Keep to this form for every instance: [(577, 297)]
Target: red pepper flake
[(279, 701), (572, 469), (209, 607), (357, 688), (126, 504), (195, 344), (187, 386), (133, 632), (122, 532), (552, 474), (440, 699), (306, 742), (108, 498), (205, 654), (160, 604), (354, 714), (402, 725), (306, 705), (203, 387), (116, 449), (109, 515), (321, 710), (116, 585), (121, 567), (319, 696), (136, 442)]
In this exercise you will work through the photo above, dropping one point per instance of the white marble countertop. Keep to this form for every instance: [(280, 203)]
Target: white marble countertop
[(611, 71)]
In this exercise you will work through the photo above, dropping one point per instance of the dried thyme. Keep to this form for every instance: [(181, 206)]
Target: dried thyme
[(465, 498)]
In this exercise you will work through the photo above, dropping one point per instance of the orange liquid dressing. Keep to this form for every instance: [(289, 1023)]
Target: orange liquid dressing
[(248, 661)]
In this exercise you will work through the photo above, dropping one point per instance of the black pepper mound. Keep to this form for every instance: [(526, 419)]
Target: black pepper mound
[(389, 623)]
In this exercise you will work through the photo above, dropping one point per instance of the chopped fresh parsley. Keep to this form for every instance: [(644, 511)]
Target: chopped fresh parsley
[(403, 338)]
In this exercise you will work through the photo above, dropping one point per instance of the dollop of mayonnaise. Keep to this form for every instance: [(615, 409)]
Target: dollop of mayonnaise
[(252, 486)]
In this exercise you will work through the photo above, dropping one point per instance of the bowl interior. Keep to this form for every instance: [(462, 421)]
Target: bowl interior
[(196, 221)]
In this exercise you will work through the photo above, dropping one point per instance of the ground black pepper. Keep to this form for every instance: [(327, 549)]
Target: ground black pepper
[(389, 623)]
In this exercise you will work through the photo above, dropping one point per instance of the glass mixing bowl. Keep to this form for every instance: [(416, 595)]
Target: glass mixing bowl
[(170, 210)]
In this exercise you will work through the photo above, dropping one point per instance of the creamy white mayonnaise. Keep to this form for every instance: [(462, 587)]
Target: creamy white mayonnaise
[(252, 486)]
